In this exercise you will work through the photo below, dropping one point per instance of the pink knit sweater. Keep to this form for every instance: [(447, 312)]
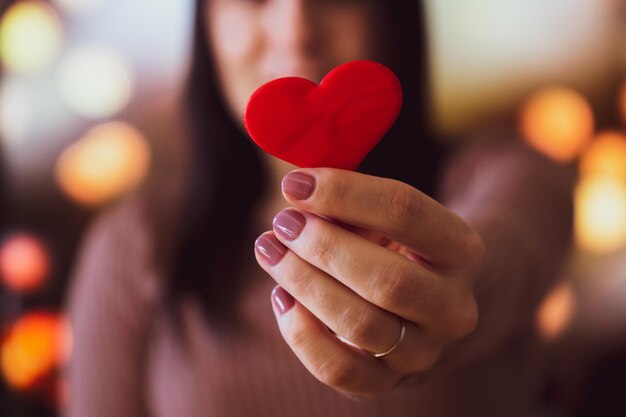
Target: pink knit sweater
[(130, 359)]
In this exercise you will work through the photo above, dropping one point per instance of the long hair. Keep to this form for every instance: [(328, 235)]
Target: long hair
[(214, 233)]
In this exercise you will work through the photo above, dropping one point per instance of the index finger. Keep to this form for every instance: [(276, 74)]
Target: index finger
[(396, 209)]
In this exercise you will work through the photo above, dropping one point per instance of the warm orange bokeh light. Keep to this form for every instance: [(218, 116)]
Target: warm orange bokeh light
[(600, 213), (558, 122), (32, 348), (606, 156), (109, 161), (24, 263), (556, 311)]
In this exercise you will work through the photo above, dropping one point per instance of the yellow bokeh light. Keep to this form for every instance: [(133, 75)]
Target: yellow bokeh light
[(31, 349), (110, 160), (558, 122), (600, 208), (30, 36), (556, 311), (95, 82), (24, 263), (606, 156)]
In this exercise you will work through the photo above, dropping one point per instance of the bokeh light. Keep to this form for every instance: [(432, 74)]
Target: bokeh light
[(16, 112), (556, 311), (30, 36), (605, 156), (95, 82), (24, 263), (558, 122), (32, 348), (77, 7), (600, 213), (110, 160)]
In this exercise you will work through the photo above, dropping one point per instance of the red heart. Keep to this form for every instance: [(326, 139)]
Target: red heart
[(335, 124)]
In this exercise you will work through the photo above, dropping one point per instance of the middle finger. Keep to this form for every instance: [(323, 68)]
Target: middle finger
[(343, 311), (383, 277), (363, 324)]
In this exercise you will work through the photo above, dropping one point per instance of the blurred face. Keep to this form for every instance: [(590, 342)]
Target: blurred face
[(255, 41)]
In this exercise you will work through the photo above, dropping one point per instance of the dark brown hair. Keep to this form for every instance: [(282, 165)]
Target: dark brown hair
[(227, 176)]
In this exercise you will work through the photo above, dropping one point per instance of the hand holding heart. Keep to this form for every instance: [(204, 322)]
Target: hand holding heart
[(363, 256), (406, 258)]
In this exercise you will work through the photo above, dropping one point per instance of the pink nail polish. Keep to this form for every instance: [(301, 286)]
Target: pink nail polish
[(289, 224), (270, 248), (298, 185), (283, 301)]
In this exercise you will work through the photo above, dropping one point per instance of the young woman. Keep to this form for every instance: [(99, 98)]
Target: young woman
[(376, 287)]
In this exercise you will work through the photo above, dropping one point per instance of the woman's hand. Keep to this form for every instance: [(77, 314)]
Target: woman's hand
[(406, 260)]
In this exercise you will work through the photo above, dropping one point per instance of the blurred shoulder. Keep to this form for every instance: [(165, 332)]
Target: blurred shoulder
[(493, 146), (119, 253), (498, 159), (135, 223)]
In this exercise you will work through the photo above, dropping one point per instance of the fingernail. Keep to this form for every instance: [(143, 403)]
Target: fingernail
[(270, 248), (282, 300), (298, 185), (289, 224)]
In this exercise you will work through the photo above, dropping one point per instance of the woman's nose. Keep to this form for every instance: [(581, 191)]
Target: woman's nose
[(292, 26)]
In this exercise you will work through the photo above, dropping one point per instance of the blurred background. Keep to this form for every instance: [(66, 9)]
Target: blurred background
[(88, 97)]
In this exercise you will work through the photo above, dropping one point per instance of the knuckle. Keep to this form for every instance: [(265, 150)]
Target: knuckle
[(394, 285), (338, 190), (402, 205), (338, 375), (462, 320), (361, 327), (325, 244), (298, 338), (299, 280), (475, 249)]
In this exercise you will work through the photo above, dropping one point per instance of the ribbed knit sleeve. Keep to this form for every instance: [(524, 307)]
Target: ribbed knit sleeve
[(114, 293), (521, 205)]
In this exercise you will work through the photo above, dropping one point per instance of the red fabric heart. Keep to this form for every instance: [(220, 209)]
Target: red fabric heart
[(335, 124)]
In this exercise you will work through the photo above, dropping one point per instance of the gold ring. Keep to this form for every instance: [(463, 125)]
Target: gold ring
[(400, 339)]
